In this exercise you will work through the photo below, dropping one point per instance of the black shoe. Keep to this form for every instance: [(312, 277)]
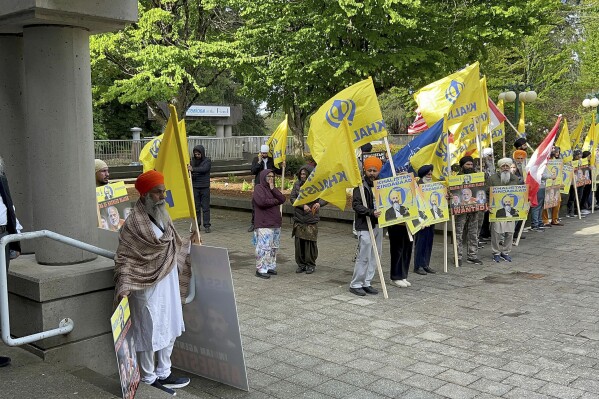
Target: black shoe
[(357, 291), (420, 271), (4, 361), (158, 385), (309, 269), (262, 275), (251, 228), (370, 290), (207, 229), (475, 261), (174, 382), (300, 269), (272, 271), (429, 270)]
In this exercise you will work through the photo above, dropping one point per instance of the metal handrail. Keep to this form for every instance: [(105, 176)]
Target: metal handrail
[(65, 325)]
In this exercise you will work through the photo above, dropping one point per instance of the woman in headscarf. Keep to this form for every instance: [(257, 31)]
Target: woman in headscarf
[(267, 223), (305, 226)]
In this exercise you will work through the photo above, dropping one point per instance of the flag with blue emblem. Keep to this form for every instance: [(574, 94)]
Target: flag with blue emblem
[(435, 154), (576, 135), (564, 143), (590, 142), (359, 106), (277, 143), (426, 141), (170, 156), (336, 171)]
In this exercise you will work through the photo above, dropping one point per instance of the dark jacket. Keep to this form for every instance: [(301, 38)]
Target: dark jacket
[(266, 203), (362, 212), (11, 225), (258, 166), (299, 214), (200, 169)]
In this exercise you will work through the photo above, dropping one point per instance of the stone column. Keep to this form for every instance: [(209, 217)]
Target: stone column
[(220, 131), (13, 148), (228, 131), (60, 138)]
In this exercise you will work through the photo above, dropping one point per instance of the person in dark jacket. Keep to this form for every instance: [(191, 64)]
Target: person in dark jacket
[(200, 167), (423, 240), (365, 260), (8, 225), (260, 163), (267, 234), (305, 226)]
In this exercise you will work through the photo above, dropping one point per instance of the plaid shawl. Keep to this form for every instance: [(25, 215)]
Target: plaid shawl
[(142, 260)]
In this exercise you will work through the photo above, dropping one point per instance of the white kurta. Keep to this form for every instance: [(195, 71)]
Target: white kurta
[(156, 312)]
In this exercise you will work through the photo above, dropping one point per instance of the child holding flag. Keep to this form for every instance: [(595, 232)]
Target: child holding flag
[(365, 265)]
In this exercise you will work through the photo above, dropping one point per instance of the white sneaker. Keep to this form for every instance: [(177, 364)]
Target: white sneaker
[(585, 212), (406, 282), (399, 283)]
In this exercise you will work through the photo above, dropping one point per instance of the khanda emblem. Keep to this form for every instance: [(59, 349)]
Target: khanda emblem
[(453, 91), (155, 147), (340, 110), (441, 150)]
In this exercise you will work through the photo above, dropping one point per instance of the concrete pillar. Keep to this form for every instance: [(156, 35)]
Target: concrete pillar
[(135, 145), (228, 131), (60, 138), (220, 131), (13, 146)]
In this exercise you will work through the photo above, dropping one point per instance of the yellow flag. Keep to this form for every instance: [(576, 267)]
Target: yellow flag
[(498, 133), (563, 142), (277, 142), (521, 124), (458, 95), (589, 139), (575, 136), (358, 106), (149, 153), (172, 161), (336, 171), (435, 154)]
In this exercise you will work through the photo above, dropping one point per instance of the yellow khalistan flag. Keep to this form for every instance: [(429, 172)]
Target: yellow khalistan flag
[(149, 153), (277, 142), (563, 142), (575, 136), (172, 161), (358, 106), (590, 142), (435, 154), (336, 171), (521, 124)]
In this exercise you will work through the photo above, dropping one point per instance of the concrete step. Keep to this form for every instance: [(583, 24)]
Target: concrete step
[(29, 377)]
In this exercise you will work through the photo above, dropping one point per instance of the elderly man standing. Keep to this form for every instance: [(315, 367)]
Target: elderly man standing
[(152, 267), (502, 233), (101, 173), (8, 225)]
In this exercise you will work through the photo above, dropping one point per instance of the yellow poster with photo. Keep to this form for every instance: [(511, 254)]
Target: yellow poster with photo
[(432, 203), (111, 191), (396, 199), (113, 205), (467, 193), (554, 168), (567, 171), (508, 203)]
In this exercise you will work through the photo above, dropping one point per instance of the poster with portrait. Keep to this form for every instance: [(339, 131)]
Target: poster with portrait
[(113, 204), (467, 193), (554, 168), (508, 203), (567, 171), (583, 173), (382, 155), (394, 197), (211, 345), (432, 203), (124, 346)]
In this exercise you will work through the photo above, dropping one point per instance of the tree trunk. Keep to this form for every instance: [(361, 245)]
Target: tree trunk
[(296, 123)]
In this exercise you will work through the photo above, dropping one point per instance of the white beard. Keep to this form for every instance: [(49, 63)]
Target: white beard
[(157, 210), (505, 177), (396, 206), (427, 179)]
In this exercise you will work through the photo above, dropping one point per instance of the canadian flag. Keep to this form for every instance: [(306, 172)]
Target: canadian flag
[(538, 162), (497, 117)]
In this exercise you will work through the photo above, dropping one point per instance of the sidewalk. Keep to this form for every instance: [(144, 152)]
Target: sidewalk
[(526, 329)]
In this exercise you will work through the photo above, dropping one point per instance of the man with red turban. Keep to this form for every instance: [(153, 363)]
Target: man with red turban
[(152, 268)]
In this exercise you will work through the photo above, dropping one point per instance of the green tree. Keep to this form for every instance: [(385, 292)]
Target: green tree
[(299, 53)]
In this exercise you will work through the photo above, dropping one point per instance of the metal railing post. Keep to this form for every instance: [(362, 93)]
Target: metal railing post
[(65, 325)]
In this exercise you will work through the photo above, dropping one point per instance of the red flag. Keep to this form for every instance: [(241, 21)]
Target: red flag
[(538, 162), (419, 125), (497, 117)]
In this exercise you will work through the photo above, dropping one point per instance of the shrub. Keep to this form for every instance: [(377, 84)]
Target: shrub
[(294, 163), (381, 147)]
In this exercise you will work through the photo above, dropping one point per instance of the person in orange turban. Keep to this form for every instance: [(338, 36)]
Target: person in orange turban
[(373, 162), (147, 181)]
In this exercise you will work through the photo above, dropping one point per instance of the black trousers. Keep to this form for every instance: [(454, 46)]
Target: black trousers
[(306, 252), (400, 248), (201, 197), (423, 242)]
